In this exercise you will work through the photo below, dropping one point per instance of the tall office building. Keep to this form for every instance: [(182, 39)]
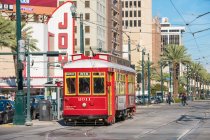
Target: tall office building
[(137, 23), (170, 34), (156, 42), (102, 25), (94, 25)]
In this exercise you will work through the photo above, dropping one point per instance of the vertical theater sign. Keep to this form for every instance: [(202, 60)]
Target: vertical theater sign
[(60, 34)]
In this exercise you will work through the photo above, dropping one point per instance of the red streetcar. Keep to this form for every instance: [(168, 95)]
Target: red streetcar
[(98, 89)]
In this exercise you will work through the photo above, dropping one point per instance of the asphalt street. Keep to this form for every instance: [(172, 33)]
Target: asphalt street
[(154, 122)]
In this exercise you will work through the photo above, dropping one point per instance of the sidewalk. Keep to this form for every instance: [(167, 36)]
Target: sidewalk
[(44, 123)]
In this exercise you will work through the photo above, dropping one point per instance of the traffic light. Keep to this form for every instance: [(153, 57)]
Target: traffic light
[(138, 78)]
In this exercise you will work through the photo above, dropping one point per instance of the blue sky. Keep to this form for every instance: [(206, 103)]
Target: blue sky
[(199, 45)]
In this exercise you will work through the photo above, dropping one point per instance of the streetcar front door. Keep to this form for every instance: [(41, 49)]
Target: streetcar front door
[(110, 93)]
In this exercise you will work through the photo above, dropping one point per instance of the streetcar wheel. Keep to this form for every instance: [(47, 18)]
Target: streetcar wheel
[(5, 118), (113, 121)]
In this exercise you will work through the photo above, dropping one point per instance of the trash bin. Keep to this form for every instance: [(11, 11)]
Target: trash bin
[(45, 110)]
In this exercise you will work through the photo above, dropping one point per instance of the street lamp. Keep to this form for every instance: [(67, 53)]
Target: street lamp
[(142, 65), (28, 117), (161, 75), (74, 15), (148, 79)]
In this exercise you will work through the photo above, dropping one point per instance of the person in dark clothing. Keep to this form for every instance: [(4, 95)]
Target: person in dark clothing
[(184, 99), (33, 108), (169, 98)]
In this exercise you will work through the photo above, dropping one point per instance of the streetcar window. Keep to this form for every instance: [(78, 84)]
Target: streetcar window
[(98, 85), (71, 85), (84, 85)]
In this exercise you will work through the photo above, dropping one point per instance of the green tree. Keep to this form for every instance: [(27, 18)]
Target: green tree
[(174, 55), (8, 37), (195, 68)]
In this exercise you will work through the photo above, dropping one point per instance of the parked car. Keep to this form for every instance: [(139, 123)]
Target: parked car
[(6, 111), (34, 101), (2, 97)]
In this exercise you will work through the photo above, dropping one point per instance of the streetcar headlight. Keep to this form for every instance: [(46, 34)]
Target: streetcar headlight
[(84, 105)]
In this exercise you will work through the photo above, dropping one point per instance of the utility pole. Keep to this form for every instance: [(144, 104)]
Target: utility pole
[(28, 117), (148, 79), (187, 80), (19, 116), (142, 65), (161, 76), (170, 78)]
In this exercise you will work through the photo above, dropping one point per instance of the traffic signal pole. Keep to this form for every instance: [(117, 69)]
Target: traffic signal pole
[(19, 116)]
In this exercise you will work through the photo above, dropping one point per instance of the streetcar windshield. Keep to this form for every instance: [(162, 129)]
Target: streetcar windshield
[(84, 85)]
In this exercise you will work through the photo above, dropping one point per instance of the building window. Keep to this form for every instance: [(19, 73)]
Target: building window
[(122, 4), (126, 13), (134, 23), (122, 13), (164, 30), (87, 16), (87, 29), (134, 13), (139, 13), (87, 4), (87, 53), (130, 4), (123, 23), (75, 42), (131, 13), (126, 23), (126, 4), (139, 23), (139, 3), (134, 3), (131, 23), (87, 41)]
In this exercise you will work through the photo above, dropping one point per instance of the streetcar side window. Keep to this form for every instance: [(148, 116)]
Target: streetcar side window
[(84, 83), (98, 83), (71, 85)]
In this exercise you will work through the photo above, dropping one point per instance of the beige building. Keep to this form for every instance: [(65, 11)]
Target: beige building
[(102, 25), (137, 23), (156, 41)]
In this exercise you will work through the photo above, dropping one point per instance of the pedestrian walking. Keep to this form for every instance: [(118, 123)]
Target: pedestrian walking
[(169, 98)]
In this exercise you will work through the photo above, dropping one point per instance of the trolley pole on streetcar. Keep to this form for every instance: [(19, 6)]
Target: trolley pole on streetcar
[(74, 15), (148, 79), (142, 65), (19, 116)]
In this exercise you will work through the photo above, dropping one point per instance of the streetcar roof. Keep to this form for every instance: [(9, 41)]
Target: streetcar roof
[(94, 63)]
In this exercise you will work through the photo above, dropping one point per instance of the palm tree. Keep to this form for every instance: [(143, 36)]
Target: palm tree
[(9, 40), (6, 28), (174, 55), (195, 68)]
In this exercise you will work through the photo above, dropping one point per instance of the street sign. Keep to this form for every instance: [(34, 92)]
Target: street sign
[(21, 51)]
